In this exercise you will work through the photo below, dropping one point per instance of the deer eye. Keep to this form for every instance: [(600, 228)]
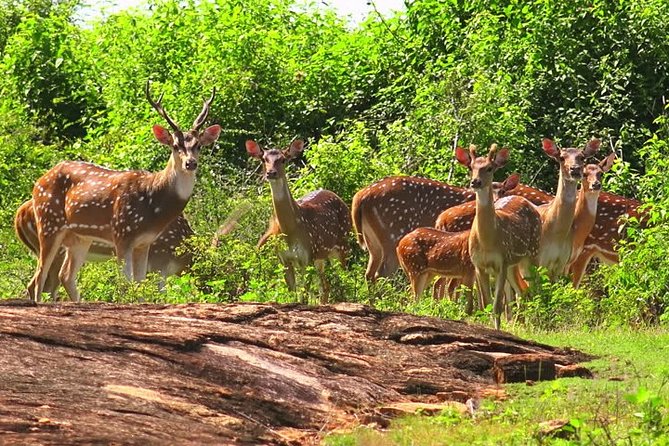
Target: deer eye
[(489, 169)]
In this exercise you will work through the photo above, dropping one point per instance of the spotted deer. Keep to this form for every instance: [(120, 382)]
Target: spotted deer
[(612, 211), (586, 207), (316, 226), (504, 233), (557, 216), (425, 253), (76, 203), (387, 210), (456, 219), (163, 256)]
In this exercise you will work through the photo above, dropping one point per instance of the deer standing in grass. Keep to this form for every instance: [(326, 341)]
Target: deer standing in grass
[(389, 209), (612, 210), (316, 226), (426, 253), (76, 203), (557, 216), (163, 257), (586, 207), (504, 233)]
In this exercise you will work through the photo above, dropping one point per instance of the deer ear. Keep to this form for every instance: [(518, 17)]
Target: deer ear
[(463, 157), (162, 135), (511, 182), (253, 149), (295, 149), (607, 162), (210, 135), (591, 147), (550, 148), (502, 157)]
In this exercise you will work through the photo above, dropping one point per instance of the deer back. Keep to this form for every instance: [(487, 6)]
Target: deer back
[(535, 196), (518, 232), (429, 249), (612, 210), (327, 221), (401, 204)]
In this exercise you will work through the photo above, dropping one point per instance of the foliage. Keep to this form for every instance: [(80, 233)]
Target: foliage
[(637, 288), (386, 97), (626, 403)]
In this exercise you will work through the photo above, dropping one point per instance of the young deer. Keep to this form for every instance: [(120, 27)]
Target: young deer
[(163, 257), (601, 242), (387, 210), (586, 207), (316, 226), (557, 217), (427, 252), (76, 203), (504, 233), (455, 219)]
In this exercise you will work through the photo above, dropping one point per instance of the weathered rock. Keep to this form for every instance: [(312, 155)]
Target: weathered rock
[(230, 374), (523, 368)]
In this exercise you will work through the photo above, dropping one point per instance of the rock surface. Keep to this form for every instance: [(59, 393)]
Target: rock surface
[(232, 374)]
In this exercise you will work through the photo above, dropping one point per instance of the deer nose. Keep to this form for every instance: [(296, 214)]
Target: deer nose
[(475, 183), (596, 185), (272, 174), (576, 171), (191, 164)]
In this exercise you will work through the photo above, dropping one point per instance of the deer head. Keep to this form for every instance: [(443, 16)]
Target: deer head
[(185, 145), (593, 173), (571, 160), (274, 160), (482, 168)]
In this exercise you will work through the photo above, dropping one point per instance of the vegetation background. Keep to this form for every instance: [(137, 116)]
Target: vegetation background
[(389, 96)]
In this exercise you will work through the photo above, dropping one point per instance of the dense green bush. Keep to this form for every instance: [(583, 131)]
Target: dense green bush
[(382, 98)]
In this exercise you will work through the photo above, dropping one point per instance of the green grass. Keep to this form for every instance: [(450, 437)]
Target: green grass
[(625, 404)]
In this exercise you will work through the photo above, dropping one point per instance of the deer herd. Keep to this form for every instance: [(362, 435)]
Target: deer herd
[(468, 238)]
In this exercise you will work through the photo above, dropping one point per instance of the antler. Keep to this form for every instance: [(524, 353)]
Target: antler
[(205, 111), (159, 107)]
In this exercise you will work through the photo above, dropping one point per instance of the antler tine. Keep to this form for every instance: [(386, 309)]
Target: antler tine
[(205, 111), (159, 107), (472, 151)]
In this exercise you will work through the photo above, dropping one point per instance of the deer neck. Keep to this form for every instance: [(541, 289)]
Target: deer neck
[(585, 215), (170, 190), (560, 215), (485, 220), (286, 209), (175, 181)]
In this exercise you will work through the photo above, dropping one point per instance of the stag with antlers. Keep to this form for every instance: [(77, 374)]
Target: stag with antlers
[(76, 203)]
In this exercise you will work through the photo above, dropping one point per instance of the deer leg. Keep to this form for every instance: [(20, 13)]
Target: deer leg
[(288, 270), (52, 281), (48, 249), (125, 253), (140, 261), (468, 283), (390, 262), (375, 260), (483, 283), (75, 257), (418, 282), (579, 266), (498, 303), (325, 286), (439, 288)]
